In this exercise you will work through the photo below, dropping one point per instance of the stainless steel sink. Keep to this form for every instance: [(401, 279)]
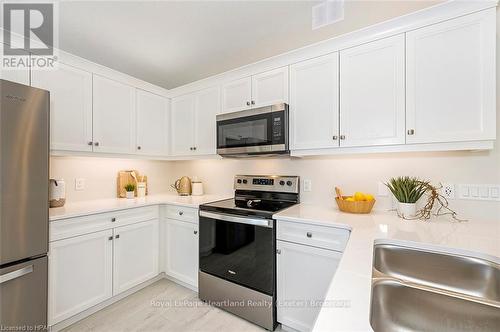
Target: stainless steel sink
[(415, 290)]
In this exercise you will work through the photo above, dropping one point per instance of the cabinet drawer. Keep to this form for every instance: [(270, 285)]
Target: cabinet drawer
[(62, 229), (181, 213), (132, 216), (312, 235)]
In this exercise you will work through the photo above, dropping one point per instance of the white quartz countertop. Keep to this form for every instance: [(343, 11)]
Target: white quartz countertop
[(83, 208), (347, 302)]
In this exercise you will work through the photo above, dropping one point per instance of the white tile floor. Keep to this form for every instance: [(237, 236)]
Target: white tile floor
[(162, 306)]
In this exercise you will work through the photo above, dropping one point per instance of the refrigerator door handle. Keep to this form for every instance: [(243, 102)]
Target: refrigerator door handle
[(16, 274)]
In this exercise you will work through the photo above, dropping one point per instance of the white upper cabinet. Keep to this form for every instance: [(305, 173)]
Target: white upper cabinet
[(451, 80), (193, 122), (270, 87), (70, 106), (237, 95), (314, 103), (113, 116), (263, 89), (182, 126), (17, 75), (152, 124), (135, 254), (372, 93), (207, 106)]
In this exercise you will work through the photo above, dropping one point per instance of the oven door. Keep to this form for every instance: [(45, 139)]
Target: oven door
[(261, 130), (238, 249)]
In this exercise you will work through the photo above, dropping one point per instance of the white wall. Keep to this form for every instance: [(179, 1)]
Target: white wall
[(360, 173), (100, 175)]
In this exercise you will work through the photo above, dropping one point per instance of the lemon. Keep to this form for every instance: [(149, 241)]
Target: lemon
[(359, 196), (369, 197), (349, 199)]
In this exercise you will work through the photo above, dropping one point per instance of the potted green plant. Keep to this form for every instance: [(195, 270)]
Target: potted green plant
[(407, 190), (130, 188)]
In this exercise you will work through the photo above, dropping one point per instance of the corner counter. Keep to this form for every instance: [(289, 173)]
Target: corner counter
[(347, 302)]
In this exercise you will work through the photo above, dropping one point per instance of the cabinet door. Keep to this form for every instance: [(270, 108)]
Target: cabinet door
[(270, 87), (297, 266), (314, 103), (152, 124), (17, 75), (182, 251), (80, 274), (182, 125), (236, 95), (207, 106), (372, 93), (70, 106), (135, 254), (451, 80), (113, 116)]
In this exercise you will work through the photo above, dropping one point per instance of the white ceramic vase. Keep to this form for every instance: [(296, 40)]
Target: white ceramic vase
[(407, 210), (130, 194)]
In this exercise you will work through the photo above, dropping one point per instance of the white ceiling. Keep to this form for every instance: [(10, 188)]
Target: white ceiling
[(171, 43)]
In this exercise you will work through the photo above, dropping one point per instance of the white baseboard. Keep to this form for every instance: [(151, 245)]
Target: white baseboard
[(182, 283)]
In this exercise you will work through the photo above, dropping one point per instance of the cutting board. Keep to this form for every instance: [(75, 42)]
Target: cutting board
[(125, 177)]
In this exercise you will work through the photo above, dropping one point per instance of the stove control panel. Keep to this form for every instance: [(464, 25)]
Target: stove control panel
[(277, 183)]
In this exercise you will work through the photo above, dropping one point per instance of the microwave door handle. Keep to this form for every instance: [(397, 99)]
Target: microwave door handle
[(241, 220)]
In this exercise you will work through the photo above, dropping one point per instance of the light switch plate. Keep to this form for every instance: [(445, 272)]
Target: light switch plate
[(79, 184), (481, 192), (307, 185)]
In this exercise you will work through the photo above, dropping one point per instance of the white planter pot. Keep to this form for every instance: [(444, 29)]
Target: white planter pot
[(130, 194), (408, 210)]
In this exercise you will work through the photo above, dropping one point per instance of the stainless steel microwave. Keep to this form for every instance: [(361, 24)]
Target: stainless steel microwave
[(253, 132)]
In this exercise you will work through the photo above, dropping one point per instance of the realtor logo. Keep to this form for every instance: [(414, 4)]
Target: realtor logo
[(29, 35), (34, 25)]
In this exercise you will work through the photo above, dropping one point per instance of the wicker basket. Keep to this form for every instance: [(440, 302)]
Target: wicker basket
[(356, 206)]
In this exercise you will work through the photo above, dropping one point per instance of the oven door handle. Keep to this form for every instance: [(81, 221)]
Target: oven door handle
[(241, 220)]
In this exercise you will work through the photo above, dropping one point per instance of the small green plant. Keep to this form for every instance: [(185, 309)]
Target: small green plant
[(130, 187), (407, 189)]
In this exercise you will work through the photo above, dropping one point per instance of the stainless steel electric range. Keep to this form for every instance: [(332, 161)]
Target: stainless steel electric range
[(238, 245)]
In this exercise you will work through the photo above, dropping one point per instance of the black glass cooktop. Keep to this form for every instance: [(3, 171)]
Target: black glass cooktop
[(242, 206)]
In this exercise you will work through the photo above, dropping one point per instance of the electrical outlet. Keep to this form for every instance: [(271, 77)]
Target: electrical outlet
[(79, 184), (307, 185), (448, 190)]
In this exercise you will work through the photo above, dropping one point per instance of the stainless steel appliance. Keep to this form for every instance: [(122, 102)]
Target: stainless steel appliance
[(24, 206), (238, 244), (253, 132)]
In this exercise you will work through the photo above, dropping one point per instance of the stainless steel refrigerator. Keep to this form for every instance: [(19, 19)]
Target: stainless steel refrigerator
[(24, 173)]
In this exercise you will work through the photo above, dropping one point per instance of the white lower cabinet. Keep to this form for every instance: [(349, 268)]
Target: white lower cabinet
[(182, 251), (89, 265), (80, 273), (303, 276), (135, 254)]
